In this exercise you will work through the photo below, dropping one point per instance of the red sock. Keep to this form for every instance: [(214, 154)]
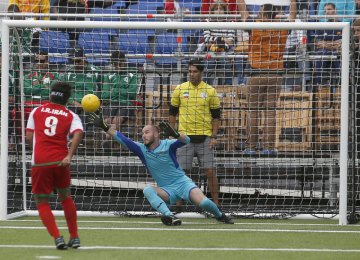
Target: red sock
[(48, 219), (70, 215)]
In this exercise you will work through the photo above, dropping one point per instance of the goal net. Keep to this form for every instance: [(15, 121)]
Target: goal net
[(134, 68)]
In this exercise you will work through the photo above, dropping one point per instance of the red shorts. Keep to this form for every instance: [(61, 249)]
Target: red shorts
[(46, 179)]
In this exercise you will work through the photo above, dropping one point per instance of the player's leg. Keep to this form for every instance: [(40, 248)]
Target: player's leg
[(205, 156), (62, 181), (42, 186), (197, 197), (157, 198)]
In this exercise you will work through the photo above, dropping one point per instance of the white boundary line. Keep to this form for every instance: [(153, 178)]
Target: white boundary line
[(197, 229), (184, 222), (189, 248)]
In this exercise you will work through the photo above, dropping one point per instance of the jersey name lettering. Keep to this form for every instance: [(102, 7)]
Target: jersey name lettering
[(54, 111)]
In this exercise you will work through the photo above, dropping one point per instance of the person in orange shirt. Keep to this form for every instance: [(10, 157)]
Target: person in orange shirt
[(266, 59), (33, 6)]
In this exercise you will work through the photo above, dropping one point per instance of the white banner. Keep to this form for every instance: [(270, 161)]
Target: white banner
[(261, 2)]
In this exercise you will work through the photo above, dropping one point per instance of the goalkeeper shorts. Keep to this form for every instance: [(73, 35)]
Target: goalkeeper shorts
[(179, 190)]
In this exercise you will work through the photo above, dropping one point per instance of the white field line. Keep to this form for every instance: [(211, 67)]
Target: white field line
[(184, 222), (198, 229), (190, 248)]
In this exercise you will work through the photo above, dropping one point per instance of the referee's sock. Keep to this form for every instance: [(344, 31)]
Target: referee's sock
[(48, 219), (210, 207), (69, 208), (156, 202)]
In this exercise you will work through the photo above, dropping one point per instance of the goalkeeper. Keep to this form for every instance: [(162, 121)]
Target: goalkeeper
[(159, 157)]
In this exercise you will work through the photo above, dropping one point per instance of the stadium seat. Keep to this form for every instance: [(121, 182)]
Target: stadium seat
[(134, 44), (143, 8), (55, 42), (112, 10), (167, 43), (96, 44)]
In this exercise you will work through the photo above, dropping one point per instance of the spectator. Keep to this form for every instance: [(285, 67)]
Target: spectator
[(118, 91), (357, 7), (206, 5), (29, 37), (343, 7), (218, 43), (83, 77), (38, 82), (327, 43), (172, 7), (33, 6), (198, 107), (266, 59)]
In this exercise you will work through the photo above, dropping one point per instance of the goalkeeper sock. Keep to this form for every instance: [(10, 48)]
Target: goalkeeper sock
[(69, 208), (48, 219), (156, 202), (210, 207)]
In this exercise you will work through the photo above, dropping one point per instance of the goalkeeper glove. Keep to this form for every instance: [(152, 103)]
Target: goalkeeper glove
[(97, 120), (168, 130)]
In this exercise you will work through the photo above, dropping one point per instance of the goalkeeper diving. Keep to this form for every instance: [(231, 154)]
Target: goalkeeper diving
[(159, 157)]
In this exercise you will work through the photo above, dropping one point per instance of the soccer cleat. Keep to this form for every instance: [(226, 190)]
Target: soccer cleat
[(171, 221), (225, 219), (60, 243), (74, 242)]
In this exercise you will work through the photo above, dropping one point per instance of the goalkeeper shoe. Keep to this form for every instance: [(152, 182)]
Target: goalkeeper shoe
[(225, 219), (74, 242), (60, 243), (171, 221)]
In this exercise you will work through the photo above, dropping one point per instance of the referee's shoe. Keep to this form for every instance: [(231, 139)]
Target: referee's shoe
[(171, 221), (225, 219)]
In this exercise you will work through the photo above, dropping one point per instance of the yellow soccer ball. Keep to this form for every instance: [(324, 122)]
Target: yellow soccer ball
[(90, 103)]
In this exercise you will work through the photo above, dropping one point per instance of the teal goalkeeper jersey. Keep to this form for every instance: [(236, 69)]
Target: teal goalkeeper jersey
[(160, 162)]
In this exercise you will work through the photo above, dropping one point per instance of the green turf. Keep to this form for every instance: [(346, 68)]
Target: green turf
[(194, 233)]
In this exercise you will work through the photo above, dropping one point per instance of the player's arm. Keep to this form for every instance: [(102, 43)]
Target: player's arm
[(242, 10), (170, 131), (29, 137), (97, 120), (75, 141), (173, 112), (174, 107), (30, 128)]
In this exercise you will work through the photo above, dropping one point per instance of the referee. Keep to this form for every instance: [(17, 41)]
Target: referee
[(198, 107)]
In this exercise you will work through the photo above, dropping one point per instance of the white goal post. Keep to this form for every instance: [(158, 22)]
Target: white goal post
[(345, 50)]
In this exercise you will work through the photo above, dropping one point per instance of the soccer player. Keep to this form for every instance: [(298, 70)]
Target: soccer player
[(47, 132), (159, 157)]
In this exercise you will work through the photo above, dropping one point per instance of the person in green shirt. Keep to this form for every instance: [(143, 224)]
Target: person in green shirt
[(37, 82), (82, 76), (118, 91)]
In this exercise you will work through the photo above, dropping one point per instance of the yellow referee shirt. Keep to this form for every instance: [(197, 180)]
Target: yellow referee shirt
[(194, 105)]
